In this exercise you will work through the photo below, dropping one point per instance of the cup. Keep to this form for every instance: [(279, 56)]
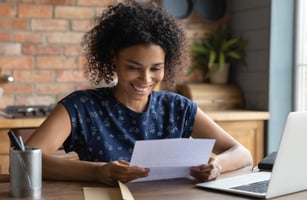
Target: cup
[(26, 173)]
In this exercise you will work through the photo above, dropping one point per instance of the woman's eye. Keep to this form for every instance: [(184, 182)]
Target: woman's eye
[(133, 68), (156, 69)]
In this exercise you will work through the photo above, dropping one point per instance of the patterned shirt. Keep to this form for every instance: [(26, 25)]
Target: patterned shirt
[(103, 129)]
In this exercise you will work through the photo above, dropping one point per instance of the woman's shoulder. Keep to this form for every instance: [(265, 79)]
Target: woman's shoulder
[(165, 95), (88, 94)]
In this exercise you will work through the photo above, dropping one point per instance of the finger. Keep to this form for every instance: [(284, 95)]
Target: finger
[(123, 162), (201, 168), (126, 173)]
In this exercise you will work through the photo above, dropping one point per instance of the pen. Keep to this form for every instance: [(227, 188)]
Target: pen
[(21, 143), (15, 142)]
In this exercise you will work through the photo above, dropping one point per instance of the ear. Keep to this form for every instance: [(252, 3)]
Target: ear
[(113, 58)]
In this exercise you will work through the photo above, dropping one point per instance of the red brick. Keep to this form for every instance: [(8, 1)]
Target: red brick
[(24, 1), (81, 25), (16, 62), (5, 36), (10, 49), (6, 100), (34, 76), (34, 100), (7, 10), (74, 49), (81, 62), (17, 88), (14, 24), (5, 71), (39, 49), (70, 12), (83, 86), (56, 62), (95, 2), (65, 38), (39, 11), (70, 76), (28, 37), (49, 24), (54, 88), (55, 2)]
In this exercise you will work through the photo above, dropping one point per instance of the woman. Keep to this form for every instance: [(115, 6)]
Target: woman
[(142, 46)]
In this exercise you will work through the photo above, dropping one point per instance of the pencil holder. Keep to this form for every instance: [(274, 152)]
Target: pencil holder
[(26, 173)]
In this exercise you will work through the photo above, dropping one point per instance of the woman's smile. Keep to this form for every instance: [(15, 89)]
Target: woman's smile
[(142, 89)]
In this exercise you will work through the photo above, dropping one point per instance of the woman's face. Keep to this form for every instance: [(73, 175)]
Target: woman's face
[(140, 69)]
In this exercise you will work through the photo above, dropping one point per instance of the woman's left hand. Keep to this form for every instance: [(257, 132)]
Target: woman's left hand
[(208, 171)]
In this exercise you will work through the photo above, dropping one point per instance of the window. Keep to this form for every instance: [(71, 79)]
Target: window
[(301, 56)]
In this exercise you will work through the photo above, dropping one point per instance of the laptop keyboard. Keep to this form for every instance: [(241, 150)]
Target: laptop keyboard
[(257, 187)]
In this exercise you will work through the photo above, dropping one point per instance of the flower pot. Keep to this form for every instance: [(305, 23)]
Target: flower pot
[(219, 77)]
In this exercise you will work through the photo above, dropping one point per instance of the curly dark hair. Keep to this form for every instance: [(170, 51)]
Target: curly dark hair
[(132, 23)]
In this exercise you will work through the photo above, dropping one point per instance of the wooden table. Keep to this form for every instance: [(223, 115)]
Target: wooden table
[(174, 189)]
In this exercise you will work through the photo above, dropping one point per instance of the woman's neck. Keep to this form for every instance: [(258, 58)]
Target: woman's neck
[(135, 105)]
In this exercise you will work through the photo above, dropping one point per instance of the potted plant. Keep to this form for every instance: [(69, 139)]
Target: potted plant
[(216, 52)]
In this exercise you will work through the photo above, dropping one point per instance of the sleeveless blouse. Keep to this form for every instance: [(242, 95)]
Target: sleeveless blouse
[(104, 130)]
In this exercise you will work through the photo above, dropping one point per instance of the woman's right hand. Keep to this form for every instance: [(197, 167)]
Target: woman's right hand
[(112, 172)]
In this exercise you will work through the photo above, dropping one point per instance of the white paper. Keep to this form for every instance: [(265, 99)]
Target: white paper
[(170, 158)]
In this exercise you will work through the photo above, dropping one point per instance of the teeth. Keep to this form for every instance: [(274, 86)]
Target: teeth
[(141, 89)]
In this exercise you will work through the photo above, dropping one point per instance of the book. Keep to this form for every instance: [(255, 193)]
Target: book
[(267, 162)]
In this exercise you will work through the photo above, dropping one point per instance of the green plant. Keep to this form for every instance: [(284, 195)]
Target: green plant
[(219, 48)]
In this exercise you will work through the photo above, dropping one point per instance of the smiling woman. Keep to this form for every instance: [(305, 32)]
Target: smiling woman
[(102, 125), (140, 69)]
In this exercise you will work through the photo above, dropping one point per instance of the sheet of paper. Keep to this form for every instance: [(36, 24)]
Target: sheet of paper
[(170, 158)]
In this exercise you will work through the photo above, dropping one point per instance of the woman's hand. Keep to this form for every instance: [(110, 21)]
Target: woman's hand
[(120, 170), (206, 172)]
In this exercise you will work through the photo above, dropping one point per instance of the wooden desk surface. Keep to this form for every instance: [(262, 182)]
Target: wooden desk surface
[(165, 189)]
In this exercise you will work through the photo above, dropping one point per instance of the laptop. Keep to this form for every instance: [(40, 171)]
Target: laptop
[(289, 173)]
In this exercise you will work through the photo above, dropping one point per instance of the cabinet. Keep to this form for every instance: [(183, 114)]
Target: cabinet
[(5, 126), (245, 126)]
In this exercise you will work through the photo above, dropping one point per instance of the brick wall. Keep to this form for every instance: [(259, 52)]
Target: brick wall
[(40, 47)]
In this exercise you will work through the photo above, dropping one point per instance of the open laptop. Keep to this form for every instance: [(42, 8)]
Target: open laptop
[(289, 173)]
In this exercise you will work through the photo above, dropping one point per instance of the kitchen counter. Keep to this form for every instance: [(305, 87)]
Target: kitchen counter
[(245, 126), (220, 115), (232, 115), (6, 123)]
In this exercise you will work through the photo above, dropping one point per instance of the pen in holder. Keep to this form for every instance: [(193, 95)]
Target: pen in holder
[(25, 169)]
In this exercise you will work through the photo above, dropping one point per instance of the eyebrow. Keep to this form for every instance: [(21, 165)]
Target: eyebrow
[(139, 64)]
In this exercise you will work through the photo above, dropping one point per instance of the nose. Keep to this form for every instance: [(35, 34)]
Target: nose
[(145, 76)]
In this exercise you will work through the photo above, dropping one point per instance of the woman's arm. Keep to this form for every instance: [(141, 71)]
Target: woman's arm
[(50, 136), (229, 153)]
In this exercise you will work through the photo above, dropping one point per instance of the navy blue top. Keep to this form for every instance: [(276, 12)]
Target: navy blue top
[(103, 129)]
